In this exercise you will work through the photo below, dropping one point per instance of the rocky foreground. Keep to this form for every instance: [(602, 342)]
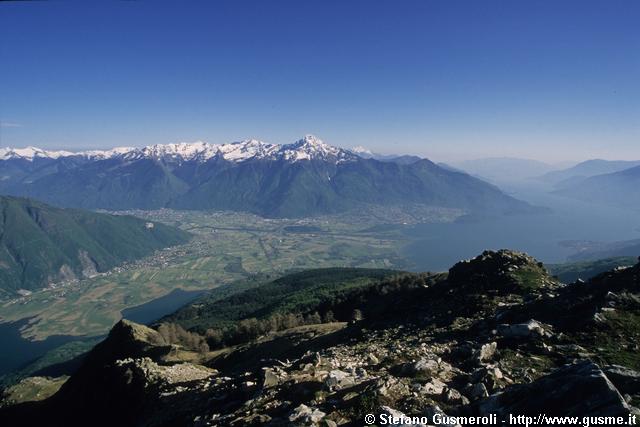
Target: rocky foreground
[(496, 335)]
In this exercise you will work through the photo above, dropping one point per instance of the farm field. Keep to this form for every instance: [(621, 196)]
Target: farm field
[(226, 247)]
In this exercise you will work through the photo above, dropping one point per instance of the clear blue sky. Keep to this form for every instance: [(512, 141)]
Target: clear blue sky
[(552, 80)]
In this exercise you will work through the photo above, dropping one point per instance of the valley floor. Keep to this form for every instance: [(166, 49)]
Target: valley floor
[(226, 247)]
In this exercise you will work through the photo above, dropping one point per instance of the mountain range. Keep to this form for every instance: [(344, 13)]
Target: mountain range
[(365, 153), (504, 169), (41, 244), (575, 174), (308, 177), (614, 189), (600, 250)]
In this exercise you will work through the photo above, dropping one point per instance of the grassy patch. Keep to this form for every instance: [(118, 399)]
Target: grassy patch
[(618, 343)]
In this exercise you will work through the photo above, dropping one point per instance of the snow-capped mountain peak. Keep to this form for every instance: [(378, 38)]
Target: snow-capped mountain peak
[(104, 154), (247, 149), (312, 147), (180, 150), (312, 140), (30, 153), (308, 148), (362, 151)]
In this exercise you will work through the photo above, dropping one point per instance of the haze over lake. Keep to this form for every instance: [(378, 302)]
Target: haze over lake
[(438, 246)]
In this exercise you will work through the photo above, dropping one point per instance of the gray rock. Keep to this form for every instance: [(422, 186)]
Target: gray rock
[(269, 378), (339, 379), (306, 415), (454, 397), (478, 391), (372, 359), (522, 330), (427, 367), (491, 377), (487, 351), (434, 387), (580, 389), (497, 373), (626, 380)]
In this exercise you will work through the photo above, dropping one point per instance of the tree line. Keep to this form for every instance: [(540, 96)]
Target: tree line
[(342, 305)]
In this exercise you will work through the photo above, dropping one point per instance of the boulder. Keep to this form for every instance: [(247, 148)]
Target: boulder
[(454, 397), (339, 379), (486, 352), (491, 377), (434, 387), (306, 415), (478, 391), (579, 389), (372, 359), (269, 378), (428, 367), (626, 380), (530, 329), (148, 373), (425, 366)]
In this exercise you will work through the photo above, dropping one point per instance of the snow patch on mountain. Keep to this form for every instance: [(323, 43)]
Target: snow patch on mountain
[(248, 149), (181, 150), (104, 154), (31, 153)]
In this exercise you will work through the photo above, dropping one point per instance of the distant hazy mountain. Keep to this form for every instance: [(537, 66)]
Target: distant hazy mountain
[(617, 189), (305, 178), (589, 168), (504, 169), (41, 244), (396, 158), (571, 271), (597, 251), (403, 160), (450, 168)]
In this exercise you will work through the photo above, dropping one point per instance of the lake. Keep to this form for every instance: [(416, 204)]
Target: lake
[(153, 310), (18, 351), (437, 247), (434, 247)]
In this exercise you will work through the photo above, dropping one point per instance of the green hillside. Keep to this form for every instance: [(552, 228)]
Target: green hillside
[(296, 293), (281, 189), (40, 244), (272, 188), (585, 270)]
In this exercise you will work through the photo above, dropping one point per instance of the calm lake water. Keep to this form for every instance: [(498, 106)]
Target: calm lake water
[(155, 309), (17, 351), (433, 247), (437, 247)]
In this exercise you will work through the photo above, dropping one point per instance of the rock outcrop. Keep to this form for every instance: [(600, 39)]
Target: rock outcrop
[(498, 336), (580, 389)]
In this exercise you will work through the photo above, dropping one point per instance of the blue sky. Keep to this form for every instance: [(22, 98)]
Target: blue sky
[(553, 80)]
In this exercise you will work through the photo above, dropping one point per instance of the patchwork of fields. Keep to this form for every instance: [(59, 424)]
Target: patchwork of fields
[(226, 247)]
